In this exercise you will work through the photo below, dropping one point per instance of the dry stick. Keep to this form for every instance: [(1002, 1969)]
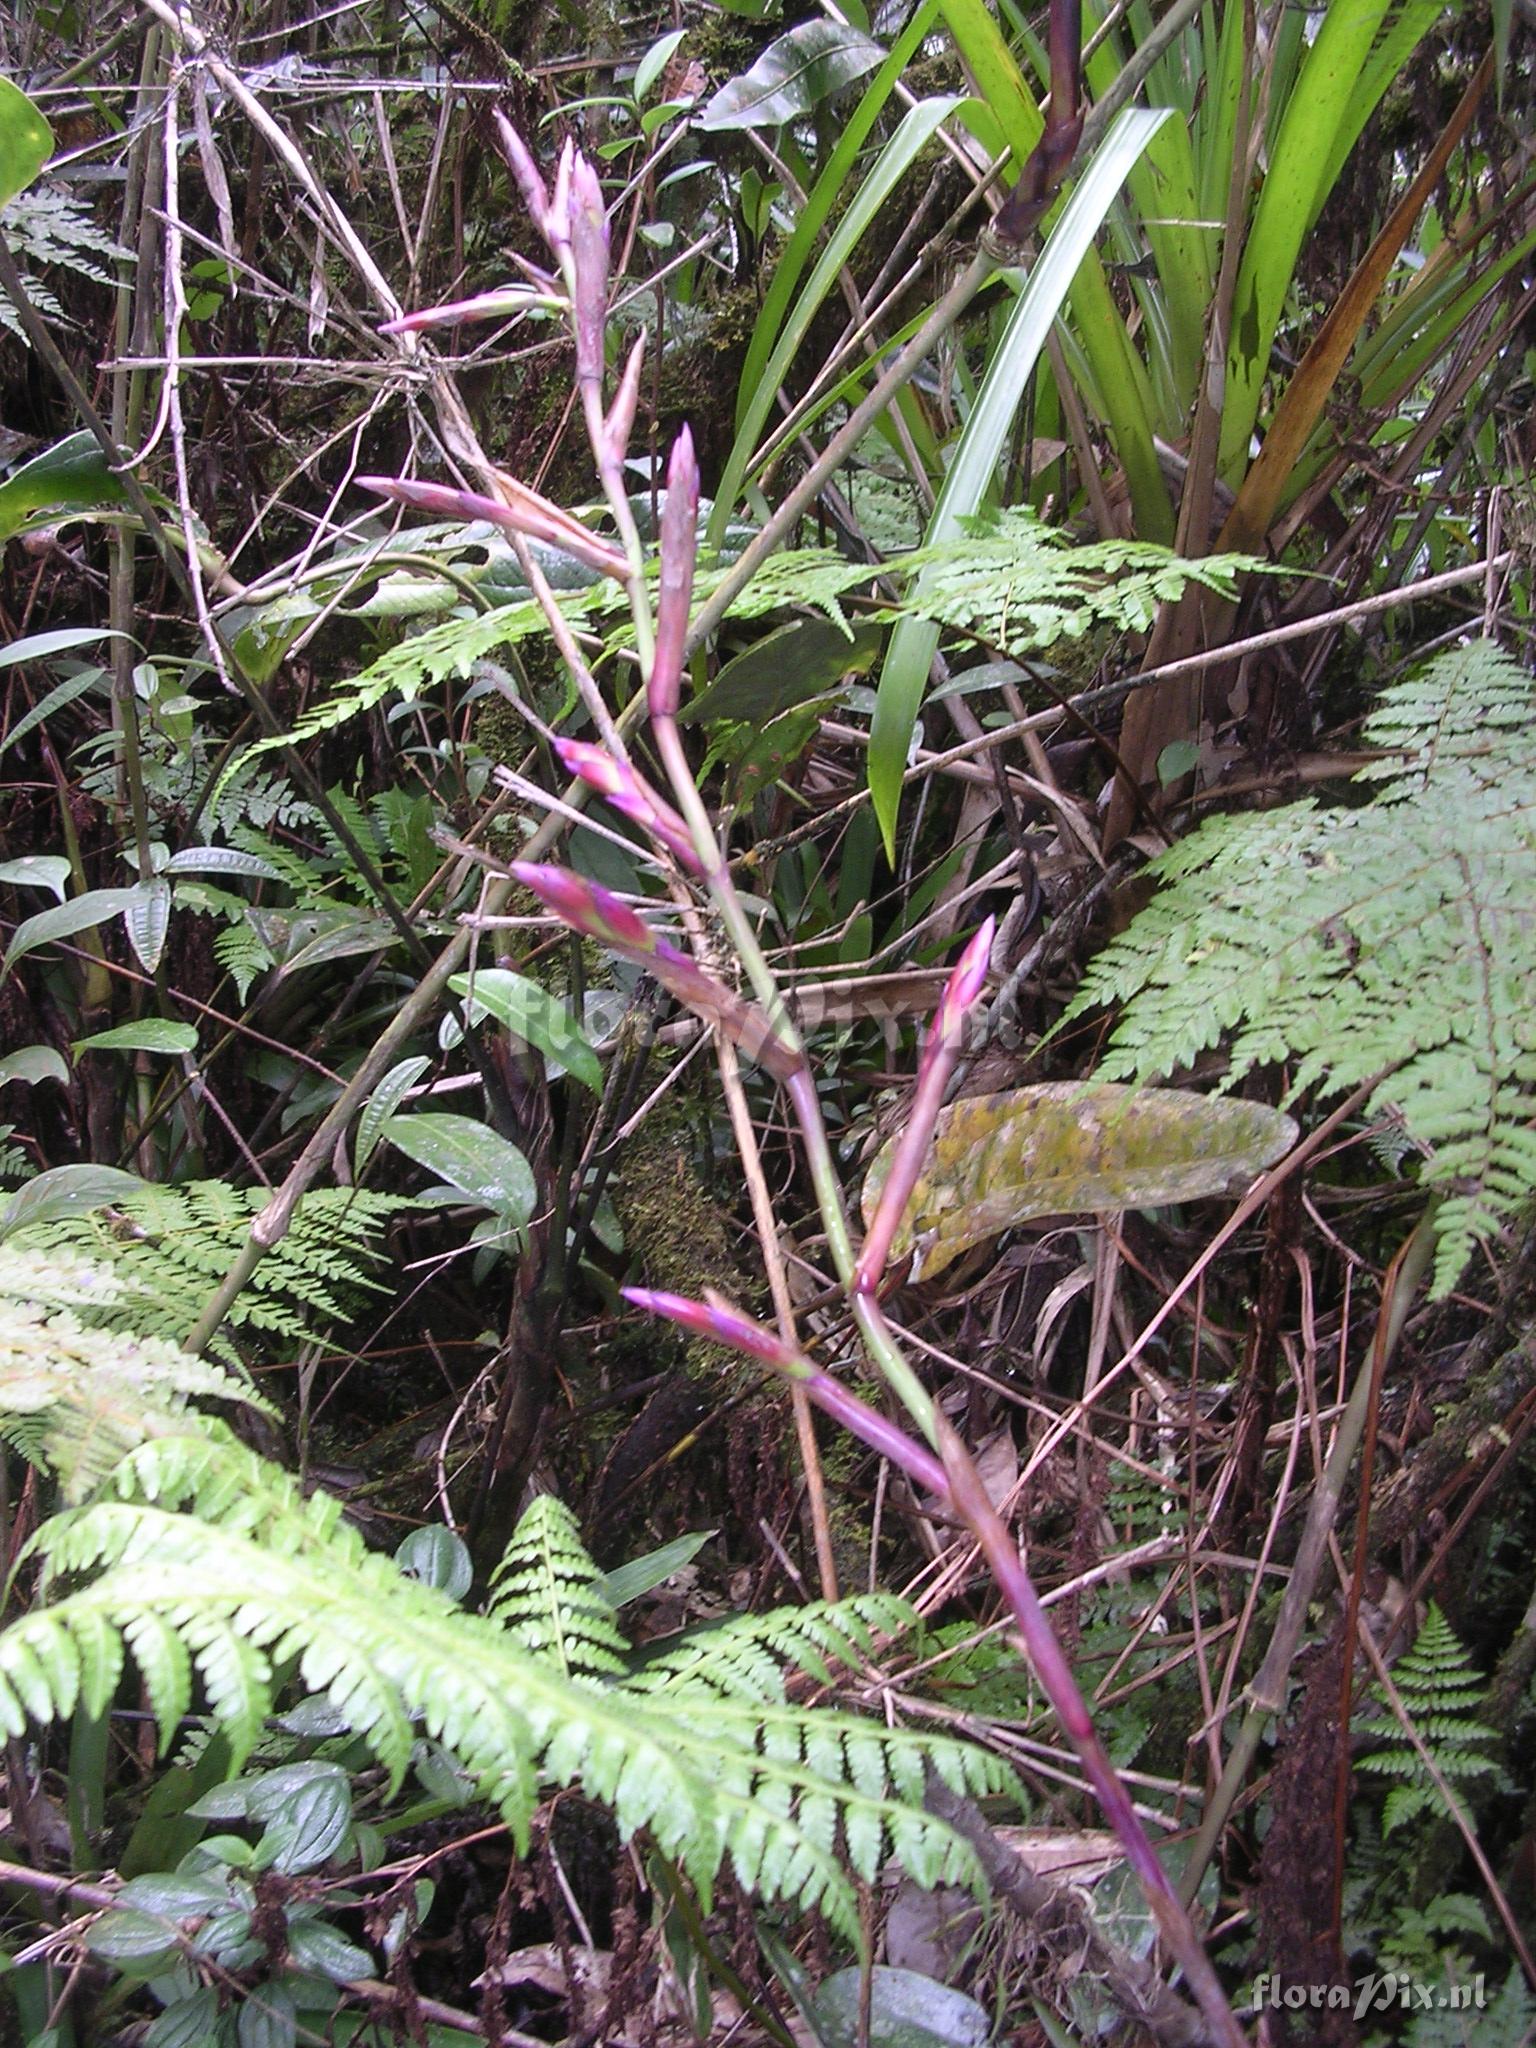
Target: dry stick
[(783, 1306), (1266, 1695)]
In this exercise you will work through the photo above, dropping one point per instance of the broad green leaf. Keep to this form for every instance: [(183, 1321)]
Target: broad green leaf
[(1067, 1148), (220, 860), (340, 934), (33, 1063), (37, 871), (67, 1191), (476, 1160), (382, 1104), (147, 919), (312, 1825), (906, 2010), (26, 141), (436, 1557), (268, 2017), (175, 1895), (654, 62), (151, 1034), (313, 1945), (641, 1574), (792, 76), (80, 914), (62, 694), (40, 646), (531, 1013), (187, 2022), (805, 659), (973, 467), (71, 476), (770, 749), (124, 1936)]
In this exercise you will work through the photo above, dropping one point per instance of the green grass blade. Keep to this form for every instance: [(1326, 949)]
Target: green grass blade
[(998, 78), (755, 393), (1325, 104), (1121, 394), (767, 366), (970, 474)]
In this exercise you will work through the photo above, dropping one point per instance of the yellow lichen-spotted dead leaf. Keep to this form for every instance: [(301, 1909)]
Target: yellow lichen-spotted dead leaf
[(1068, 1147)]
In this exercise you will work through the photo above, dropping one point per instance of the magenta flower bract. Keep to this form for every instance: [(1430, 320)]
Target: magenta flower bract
[(621, 414), (500, 304), (679, 549), (530, 181), (589, 254), (716, 1320), (596, 912), (631, 795), (518, 510), (721, 1324), (588, 907), (965, 984)]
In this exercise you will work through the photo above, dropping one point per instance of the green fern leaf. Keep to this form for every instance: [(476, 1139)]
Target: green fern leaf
[(1394, 939), (229, 1587), (547, 1594), (170, 1246), (243, 954), (1015, 583), (1440, 1693)]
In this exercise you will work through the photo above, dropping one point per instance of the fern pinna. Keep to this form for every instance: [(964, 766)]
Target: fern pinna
[(1393, 943), (1442, 1695), (227, 1585)]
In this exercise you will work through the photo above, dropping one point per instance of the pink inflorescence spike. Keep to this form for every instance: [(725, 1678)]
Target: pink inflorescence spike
[(965, 984), (517, 510), (679, 549), (631, 795)]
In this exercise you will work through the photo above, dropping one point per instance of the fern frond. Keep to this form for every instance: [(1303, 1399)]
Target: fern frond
[(169, 1246), (1441, 1693), (1396, 938), (440, 654), (547, 1594), (1018, 584), (47, 228), (228, 1585), (745, 1657), (785, 1793), (76, 1396), (243, 953)]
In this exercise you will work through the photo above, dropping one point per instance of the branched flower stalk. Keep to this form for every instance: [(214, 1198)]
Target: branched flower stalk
[(572, 218)]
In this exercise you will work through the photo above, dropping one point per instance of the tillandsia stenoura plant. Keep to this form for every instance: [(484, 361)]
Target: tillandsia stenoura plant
[(572, 218)]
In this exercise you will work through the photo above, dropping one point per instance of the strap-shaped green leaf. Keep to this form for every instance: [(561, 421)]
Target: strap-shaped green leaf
[(969, 478)]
